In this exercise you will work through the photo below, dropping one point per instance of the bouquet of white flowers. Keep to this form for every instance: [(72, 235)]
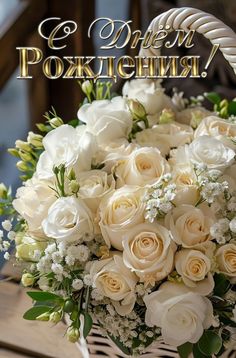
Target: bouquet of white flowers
[(127, 218)]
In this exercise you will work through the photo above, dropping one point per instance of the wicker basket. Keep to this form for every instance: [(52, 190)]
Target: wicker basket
[(217, 33), (101, 347)]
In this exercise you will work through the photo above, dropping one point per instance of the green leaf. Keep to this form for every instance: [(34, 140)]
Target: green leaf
[(232, 108), (222, 284), (88, 323), (43, 296), (213, 97), (210, 343), (36, 311), (120, 345), (74, 122), (198, 354), (185, 350)]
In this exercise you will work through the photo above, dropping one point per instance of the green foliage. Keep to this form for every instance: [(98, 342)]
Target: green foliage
[(36, 311), (210, 343), (120, 345), (185, 350), (88, 323), (6, 199), (223, 107), (43, 296), (222, 284)]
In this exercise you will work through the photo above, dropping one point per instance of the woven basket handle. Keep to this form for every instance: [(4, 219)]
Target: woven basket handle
[(187, 18)]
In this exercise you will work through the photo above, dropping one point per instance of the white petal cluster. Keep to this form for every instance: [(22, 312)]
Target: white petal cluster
[(132, 216)]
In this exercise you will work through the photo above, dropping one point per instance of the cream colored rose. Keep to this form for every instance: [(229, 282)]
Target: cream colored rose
[(189, 225), (226, 260), (165, 136), (93, 185), (33, 201), (186, 188), (149, 252), (210, 151), (144, 166), (68, 219), (115, 281), (182, 315), (149, 138), (189, 114), (194, 267), (111, 153), (120, 212), (149, 93), (219, 128), (107, 120)]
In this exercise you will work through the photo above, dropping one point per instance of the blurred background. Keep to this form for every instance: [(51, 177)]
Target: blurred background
[(23, 102)]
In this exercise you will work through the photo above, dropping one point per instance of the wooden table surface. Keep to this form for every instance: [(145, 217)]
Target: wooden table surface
[(29, 339)]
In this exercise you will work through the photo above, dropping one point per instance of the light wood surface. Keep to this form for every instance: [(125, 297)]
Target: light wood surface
[(21, 338)]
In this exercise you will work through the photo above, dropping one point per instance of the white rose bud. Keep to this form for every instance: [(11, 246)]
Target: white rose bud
[(137, 109), (23, 145), (27, 279), (55, 317), (87, 87), (3, 191), (72, 334), (35, 140), (44, 317), (56, 122)]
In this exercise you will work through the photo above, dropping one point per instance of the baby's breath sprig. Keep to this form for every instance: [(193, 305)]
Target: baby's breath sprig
[(160, 198)]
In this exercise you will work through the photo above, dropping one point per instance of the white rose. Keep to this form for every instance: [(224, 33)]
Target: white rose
[(194, 268), (108, 120), (68, 219), (210, 151), (33, 201), (30, 249), (73, 147), (226, 260), (182, 315), (93, 185), (190, 226), (114, 280), (165, 136), (119, 212), (186, 188), (219, 128), (149, 252), (149, 93), (150, 138), (143, 166), (230, 176), (110, 153), (189, 114)]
